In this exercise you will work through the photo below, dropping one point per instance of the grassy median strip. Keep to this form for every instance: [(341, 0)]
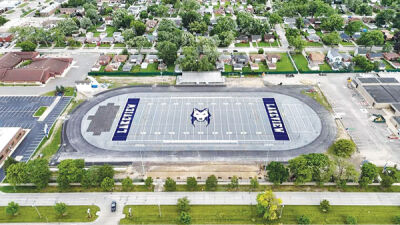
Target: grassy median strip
[(245, 214), (318, 96), (40, 111), (29, 214)]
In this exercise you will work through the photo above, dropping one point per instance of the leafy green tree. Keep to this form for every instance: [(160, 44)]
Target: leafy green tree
[(249, 25), (275, 18), (17, 174), (211, 183), (385, 17), (234, 185), (353, 27), (27, 46), (9, 161), (190, 16), (107, 184), (396, 220), (85, 23), (148, 183), (3, 20), (67, 27), (191, 183), (254, 184), (351, 220), (363, 63), (139, 26), (332, 38), (333, 22), (325, 206), (368, 174), (387, 47), (61, 209), (224, 24), (12, 209), (344, 148), (297, 42), (190, 5), (38, 172), (226, 38), (90, 178), (277, 173), (185, 218), (139, 42), (70, 171), (268, 205), (344, 171), (183, 204), (299, 22), (300, 170), (106, 171), (128, 34), (370, 38), (170, 184), (143, 15), (120, 18), (364, 9), (167, 51), (93, 16), (303, 220), (127, 184)]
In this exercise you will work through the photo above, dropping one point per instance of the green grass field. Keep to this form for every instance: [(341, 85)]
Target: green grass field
[(313, 44), (344, 43), (28, 214), (319, 97), (245, 214), (119, 45), (266, 44), (90, 45), (69, 91), (242, 44), (325, 67), (40, 111), (301, 62), (284, 64)]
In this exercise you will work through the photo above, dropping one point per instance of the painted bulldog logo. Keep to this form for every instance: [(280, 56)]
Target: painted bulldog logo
[(201, 116)]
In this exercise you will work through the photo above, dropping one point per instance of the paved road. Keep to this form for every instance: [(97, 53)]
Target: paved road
[(103, 200)]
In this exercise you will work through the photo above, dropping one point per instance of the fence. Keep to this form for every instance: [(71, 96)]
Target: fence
[(133, 74)]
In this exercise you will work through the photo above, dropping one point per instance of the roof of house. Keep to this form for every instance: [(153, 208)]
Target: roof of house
[(374, 55), (53, 65), (344, 36), (391, 55), (24, 75), (137, 57), (269, 36), (257, 56), (316, 56), (313, 37), (11, 59), (104, 58), (333, 53), (270, 56), (120, 58)]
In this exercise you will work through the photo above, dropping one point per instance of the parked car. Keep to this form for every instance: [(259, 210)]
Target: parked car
[(322, 74), (113, 206), (290, 75)]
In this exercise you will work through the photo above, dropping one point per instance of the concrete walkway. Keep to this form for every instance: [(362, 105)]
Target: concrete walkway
[(103, 200)]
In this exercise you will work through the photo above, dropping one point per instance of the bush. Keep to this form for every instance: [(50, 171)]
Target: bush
[(12, 209), (344, 148), (170, 184), (351, 220), (386, 181), (148, 183), (254, 183), (107, 184), (185, 218), (303, 220), (125, 52), (260, 51), (183, 204), (211, 183), (191, 184), (27, 46), (61, 209), (127, 184), (324, 206), (277, 173), (234, 185), (396, 220)]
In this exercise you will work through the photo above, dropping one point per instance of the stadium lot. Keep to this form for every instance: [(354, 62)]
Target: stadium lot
[(18, 111), (239, 128)]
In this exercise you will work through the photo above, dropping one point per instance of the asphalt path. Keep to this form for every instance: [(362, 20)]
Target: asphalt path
[(103, 200)]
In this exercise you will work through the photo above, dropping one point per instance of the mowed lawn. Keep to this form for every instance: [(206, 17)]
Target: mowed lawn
[(40, 111), (28, 214), (301, 62), (245, 214), (284, 64)]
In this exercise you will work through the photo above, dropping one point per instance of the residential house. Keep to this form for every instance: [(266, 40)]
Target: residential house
[(50, 10), (255, 38), (225, 58), (102, 28), (254, 66), (391, 56), (242, 39), (120, 58), (310, 31), (127, 67), (361, 51), (313, 38), (219, 11), (381, 65), (289, 21), (162, 66), (374, 56), (151, 38), (6, 37), (241, 58), (136, 59), (356, 36), (68, 11), (81, 40), (104, 60), (93, 40), (388, 36), (151, 58), (344, 37), (107, 40), (256, 58), (250, 9), (272, 60), (108, 21), (338, 60), (150, 24), (315, 59), (229, 10), (270, 38)]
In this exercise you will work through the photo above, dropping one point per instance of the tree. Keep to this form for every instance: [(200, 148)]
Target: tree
[(170, 184), (106, 171), (303, 220), (127, 184), (167, 51), (16, 174), (224, 24), (353, 27), (268, 205), (325, 206), (211, 183), (249, 25), (185, 218), (119, 18), (333, 22), (85, 23), (363, 63), (370, 38), (277, 173), (226, 38), (61, 209), (260, 51), (275, 18), (90, 177), (254, 183), (191, 183), (332, 38), (143, 15), (198, 27), (67, 27), (139, 26), (9, 161), (364, 9), (190, 16), (396, 220), (385, 17), (344, 148), (344, 171), (300, 170), (183, 204), (297, 42), (190, 5), (27, 46), (3, 20), (128, 34), (351, 220), (139, 42), (70, 171), (148, 183), (93, 16), (368, 174), (387, 47), (107, 184), (12, 209), (38, 172), (234, 185), (299, 22)]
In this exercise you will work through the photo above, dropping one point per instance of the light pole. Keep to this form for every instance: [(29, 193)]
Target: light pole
[(280, 215)]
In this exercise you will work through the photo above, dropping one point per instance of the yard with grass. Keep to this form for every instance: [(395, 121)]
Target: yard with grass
[(301, 62), (388, 66), (313, 44), (119, 45), (40, 111), (319, 97), (242, 44), (27, 12), (284, 64), (90, 45), (105, 46), (28, 214), (69, 91), (345, 43), (325, 67), (246, 214), (266, 44)]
